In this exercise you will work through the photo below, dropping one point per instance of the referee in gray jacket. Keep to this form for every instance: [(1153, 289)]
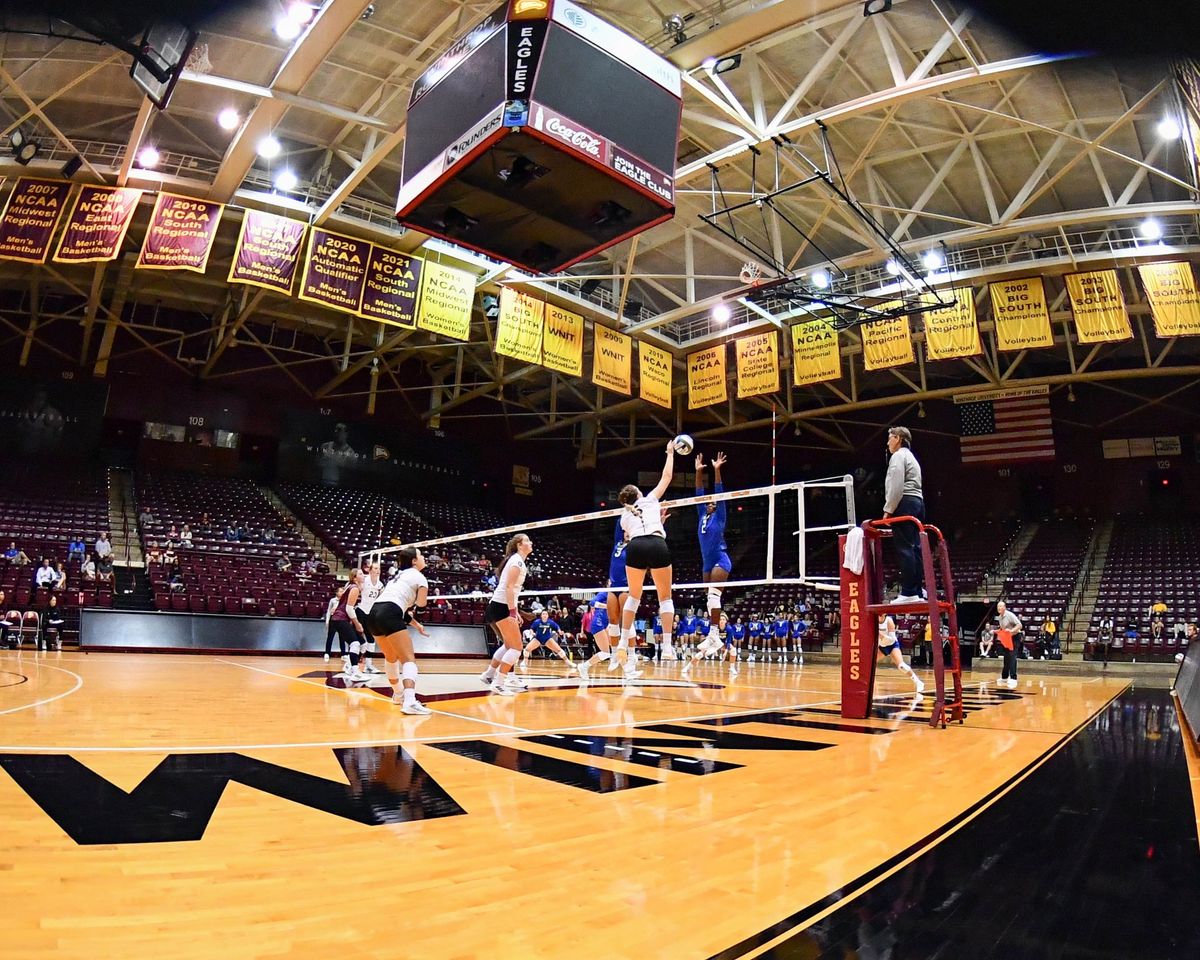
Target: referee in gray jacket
[(1007, 620), (902, 497)]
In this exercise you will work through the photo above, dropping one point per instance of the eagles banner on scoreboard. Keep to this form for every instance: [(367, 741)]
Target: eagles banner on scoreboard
[(757, 364), (180, 234), (612, 360), (1174, 302), (886, 343), (519, 325), (816, 354), (655, 369), (392, 286), (1021, 316), (97, 224), (706, 377), (30, 217), (335, 270), (1099, 307), (446, 299), (951, 331), (268, 251), (562, 341)]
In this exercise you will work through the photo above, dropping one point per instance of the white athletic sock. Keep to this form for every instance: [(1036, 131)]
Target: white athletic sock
[(666, 639), (490, 671), (904, 667)]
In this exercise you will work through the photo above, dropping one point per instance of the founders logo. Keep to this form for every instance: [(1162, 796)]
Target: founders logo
[(462, 147)]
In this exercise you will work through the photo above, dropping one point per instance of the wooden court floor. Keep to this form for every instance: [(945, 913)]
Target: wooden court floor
[(203, 806)]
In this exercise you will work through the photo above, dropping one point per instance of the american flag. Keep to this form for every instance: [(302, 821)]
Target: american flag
[(1006, 427)]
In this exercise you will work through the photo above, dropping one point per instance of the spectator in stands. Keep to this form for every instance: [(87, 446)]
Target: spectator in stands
[(231, 533), (53, 622), (176, 581), (15, 556), (268, 535), (45, 576), (903, 497), (311, 565), (205, 523), (1157, 609), (168, 558), (7, 624), (986, 640), (1048, 639), (270, 611), (536, 605), (185, 536), (1131, 635), (104, 568), (153, 554), (103, 548), (1179, 631), (88, 570), (283, 564), (60, 576), (1158, 631), (76, 548), (1106, 631), (1193, 633), (145, 518)]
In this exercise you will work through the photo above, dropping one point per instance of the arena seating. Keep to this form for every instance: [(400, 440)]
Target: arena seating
[(1041, 583)]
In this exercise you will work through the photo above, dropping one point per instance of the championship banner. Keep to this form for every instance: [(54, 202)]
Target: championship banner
[(757, 364), (1021, 316), (562, 341), (30, 218), (706, 377), (519, 326), (335, 270), (654, 383), (886, 343), (612, 360), (1174, 302), (816, 356), (268, 251), (181, 234), (97, 224), (1099, 307), (392, 286), (446, 298), (951, 331)]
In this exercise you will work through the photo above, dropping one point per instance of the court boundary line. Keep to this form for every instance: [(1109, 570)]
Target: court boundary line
[(57, 696)]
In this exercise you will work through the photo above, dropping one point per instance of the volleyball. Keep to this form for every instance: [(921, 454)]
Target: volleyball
[(683, 444)]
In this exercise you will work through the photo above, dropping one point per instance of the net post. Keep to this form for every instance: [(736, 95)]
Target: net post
[(771, 534), (851, 519), (802, 526)]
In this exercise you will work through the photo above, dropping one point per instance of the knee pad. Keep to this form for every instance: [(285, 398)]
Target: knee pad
[(355, 646), (714, 598), (614, 631), (409, 671), (667, 607), (510, 656), (632, 603)]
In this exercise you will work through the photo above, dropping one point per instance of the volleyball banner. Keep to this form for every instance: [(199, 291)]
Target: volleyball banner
[(446, 299), (816, 354), (886, 343), (706, 377), (519, 327), (612, 360), (97, 224), (1174, 302), (757, 364), (655, 382), (1099, 307), (951, 331), (562, 341), (30, 218), (267, 254), (335, 270), (1020, 313), (180, 235), (393, 283)]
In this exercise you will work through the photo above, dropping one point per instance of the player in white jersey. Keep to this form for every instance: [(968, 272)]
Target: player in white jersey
[(392, 612), (370, 586), (889, 646), (503, 617)]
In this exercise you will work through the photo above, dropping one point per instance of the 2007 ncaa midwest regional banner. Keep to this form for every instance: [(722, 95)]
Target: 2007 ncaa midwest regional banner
[(30, 218), (612, 360), (656, 371), (1171, 290), (1021, 317), (757, 364), (1099, 307), (446, 298), (706, 377), (886, 343), (951, 331), (335, 270), (97, 224), (816, 354), (181, 234), (268, 251), (562, 341), (519, 326)]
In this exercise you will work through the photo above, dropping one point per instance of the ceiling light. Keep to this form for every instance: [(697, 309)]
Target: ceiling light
[(269, 147), (1151, 229), (287, 29), (709, 63), (872, 7), (725, 64), (722, 313), (286, 181), (300, 12), (148, 158), (228, 119), (820, 279), (933, 260), (1169, 129), (893, 268)]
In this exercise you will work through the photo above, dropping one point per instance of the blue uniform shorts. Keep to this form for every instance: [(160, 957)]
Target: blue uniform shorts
[(599, 620), (721, 560), (616, 574)]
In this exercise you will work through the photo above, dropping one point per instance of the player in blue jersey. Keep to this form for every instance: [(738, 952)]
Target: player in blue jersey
[(781, 629), (546, 633), (737, 636), (755, 631), (710, 530), (797, 628), (604, 638), (685, 631), (618, 591)]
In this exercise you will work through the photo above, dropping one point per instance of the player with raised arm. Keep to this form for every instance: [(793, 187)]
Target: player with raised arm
[(715, 565)]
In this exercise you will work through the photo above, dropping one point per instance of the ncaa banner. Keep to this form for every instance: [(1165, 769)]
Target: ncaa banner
[(335, 270), (519, 327), (446, 299), (1099, 307), (180, 235), (886, 343), (612, 360), (951, 331), (267, 254), (1020, 314), (392, 286), (30, 218), (97, 224), (706, 377), (656, 370), (1174, 302), (816, 355), (757, 364), (562, 341)]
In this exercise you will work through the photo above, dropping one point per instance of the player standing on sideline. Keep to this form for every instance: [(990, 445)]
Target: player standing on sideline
[(503, 617), (391, 614), (737, 633), (685, 629), (546, 632), (331, 627), (710, 530), (889, 646), (798, 628), (781, 628), (370, 586), (755, 631)]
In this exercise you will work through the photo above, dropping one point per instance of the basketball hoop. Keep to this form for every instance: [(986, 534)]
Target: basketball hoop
[(751, 273), (198, 61)]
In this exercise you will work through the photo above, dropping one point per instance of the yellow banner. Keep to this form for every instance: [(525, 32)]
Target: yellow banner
[(446, 297), (562, 342), (654, 382), (706, 377), (519, 326), (612, 360), (816, 354), (886, 343), (1099, 307), (951, 331), (1020, 313), (757, 364), (1174, 302)]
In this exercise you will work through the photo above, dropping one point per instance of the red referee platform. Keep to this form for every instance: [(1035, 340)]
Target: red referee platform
[(863, 603)]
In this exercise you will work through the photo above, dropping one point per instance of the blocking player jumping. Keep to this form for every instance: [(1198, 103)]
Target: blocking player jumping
[(715, 565)]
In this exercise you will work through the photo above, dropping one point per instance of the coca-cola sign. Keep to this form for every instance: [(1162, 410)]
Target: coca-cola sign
[(572, 134)]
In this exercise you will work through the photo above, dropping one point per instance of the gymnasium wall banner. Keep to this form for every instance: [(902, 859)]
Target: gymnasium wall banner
[(51, 416), (1022, 319), (1099, 307), (612, 360), (816, 354), (391, 289), (1174, 302), (757, 364), (951, 331), (656, 374), (886, 343), (267, 253), (97, 224), (181, 234), (520, 326), (706, 377), (335, 270), (446, 298), (562, 341), (30, 217)]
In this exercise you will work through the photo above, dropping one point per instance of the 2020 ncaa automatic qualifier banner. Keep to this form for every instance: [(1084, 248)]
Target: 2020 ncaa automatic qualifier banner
[(757, 364), (1174, 302), (393, 284), (1099, 307), (335, 270), (446, 299), (268, 249), (181, 234), (30, 217), (97, 224), (816, 354), (562, 341), (612, 360), (520, 325), (655, 375), (706, 377), (1020, 313)]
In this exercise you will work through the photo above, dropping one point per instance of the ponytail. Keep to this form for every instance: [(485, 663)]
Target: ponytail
[(509, 549), (628, 498)]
